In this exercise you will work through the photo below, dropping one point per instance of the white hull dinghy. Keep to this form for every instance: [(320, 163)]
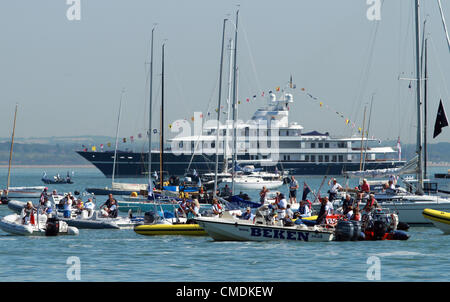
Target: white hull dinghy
[(44, 226), (95, 220)]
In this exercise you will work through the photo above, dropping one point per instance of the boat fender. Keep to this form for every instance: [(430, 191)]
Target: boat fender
[(344, 230), (402, 226), (72, 231), (400, 235), (361, 236)]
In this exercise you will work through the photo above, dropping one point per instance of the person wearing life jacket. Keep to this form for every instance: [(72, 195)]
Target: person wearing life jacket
[(365, 187), (325, 210), (371, 204), (356, 215), (216, 207), (183, 208)]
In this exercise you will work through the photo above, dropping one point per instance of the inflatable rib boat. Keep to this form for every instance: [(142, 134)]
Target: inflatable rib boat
[(440, 219)]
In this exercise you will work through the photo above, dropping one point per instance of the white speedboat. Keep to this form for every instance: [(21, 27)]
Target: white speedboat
[(233, 229), (24, 192), (44, 226), (95, 220), (252, 182), (409, 207)]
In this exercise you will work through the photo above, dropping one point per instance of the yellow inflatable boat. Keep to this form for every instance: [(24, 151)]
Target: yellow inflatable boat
[(440, 219), (170, 229)]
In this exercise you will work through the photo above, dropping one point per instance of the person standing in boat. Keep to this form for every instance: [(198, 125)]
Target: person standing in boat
[(334, 189), (325, 210), (44, 195), (28, 213), (282, 206), (262, 195), (293, 187)]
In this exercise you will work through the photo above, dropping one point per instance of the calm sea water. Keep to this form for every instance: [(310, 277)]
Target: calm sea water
[(122, 255)]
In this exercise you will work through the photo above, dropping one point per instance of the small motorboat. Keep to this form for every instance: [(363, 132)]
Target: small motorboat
[(95, 220), (261, 228), (57, 179), (86, 219), (440, 219), (23, 192), (191, 229), (42, 226), (167, 224), (443, 175)]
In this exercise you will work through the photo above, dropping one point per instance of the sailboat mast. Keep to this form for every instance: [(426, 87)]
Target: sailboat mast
[(362, 139), (11, 150), (149, 189), (419, 105), (234, 102), (218, 108), (161, 131), (425, 105), (230, 79), (117, 137)]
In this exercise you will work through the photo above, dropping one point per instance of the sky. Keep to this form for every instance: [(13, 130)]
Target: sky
[(68, 75)]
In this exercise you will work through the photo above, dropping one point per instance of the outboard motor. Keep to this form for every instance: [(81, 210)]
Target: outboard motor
[(357, 231), (379, 229), (150, 217), (344, 231), (52, 226)]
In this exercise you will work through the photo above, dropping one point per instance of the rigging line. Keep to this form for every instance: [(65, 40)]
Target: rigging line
[(201, 132), (403, 99), (436, 58), (364, 75), (252, 62)]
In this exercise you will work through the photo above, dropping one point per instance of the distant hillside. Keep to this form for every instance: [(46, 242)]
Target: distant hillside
[(41, 154)]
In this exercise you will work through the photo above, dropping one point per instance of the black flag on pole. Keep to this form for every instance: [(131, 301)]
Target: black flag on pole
[(441, 120)]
